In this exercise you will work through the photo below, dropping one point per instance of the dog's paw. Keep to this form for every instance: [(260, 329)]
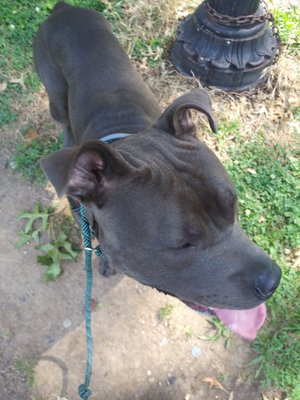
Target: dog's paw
[(105, 269)]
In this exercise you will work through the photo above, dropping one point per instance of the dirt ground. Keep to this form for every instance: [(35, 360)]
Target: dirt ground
[(136, 356)]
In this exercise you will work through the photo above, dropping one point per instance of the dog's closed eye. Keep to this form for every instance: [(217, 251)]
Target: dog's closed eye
[(183, 245), (186, 245)]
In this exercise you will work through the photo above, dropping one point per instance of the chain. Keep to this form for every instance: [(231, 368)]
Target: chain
[(241, 19)]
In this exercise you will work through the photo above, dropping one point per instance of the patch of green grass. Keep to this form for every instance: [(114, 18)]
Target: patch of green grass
[(267, 179), (113, 10), (296, 112), (28, 154), (151, 50), (288, 23), (19, 22), (57, 248), (7, 112), (26, 368), (165, 312), (278, 344)]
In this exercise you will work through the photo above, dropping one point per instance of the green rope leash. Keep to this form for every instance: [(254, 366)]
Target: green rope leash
[(78, 209), (83, 390)]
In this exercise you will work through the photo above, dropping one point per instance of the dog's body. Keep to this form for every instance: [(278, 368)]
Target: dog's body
[(90, 108), (163, 204)]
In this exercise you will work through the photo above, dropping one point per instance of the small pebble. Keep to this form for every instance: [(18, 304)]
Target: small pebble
[(49, 339), (187, 397), (67, 323), (171, 380), (23, 299), (196, 351), (163, 342), (149, 373)]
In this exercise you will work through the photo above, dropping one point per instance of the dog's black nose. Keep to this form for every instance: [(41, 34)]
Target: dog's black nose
[(267, 282)]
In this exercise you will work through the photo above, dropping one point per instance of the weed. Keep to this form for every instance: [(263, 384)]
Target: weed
[(223, 377), (165, 312), (5, 334), (26, 368), (56, 250), (113, 10), (28, 154), (296, 112), (150, 50), (220, 332), (189, 333), (37, 216)]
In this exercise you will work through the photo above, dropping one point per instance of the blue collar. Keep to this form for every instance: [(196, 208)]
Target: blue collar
[(114, 136)]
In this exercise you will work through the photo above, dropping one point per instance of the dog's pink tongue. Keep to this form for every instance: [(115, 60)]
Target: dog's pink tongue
[(245, 323)]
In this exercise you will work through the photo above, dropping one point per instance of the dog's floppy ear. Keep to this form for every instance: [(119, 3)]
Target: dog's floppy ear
[(85, 172), (177, 117)]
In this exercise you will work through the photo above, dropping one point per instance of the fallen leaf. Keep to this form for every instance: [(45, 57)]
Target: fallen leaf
[(94, 305), (20, 81), (214, 383), (296, 263), (3, 86), (30, 134), (262, 219)]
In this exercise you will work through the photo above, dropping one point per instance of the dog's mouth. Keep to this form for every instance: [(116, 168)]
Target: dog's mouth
[(245, 323)]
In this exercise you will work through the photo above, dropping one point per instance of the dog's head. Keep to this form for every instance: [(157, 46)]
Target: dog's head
[(167, 215)]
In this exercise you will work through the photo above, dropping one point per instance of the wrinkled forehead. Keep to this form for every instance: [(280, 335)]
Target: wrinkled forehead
[(173, 163), (177, 184), (184, 171)]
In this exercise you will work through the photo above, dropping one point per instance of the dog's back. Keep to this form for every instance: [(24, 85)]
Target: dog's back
[(88, 75)]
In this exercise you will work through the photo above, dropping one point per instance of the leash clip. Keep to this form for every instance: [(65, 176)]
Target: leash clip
[(89, 249), (97, 250)]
